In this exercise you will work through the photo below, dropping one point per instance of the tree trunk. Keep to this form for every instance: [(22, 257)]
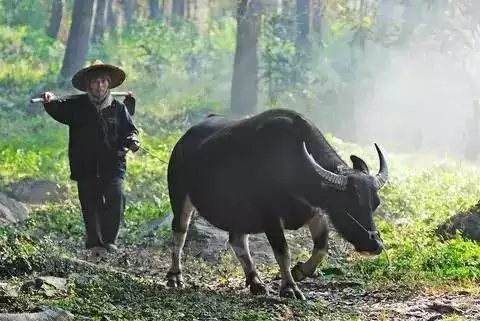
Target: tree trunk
[(112, 20), (317, 17), (412, 18), (78, 37), (188, 13), (128, 10), (55, 18), (201, 10), (194, 4), (178, 8), (288, 9), (302, 45), (154, 9), (303, 19), (167, 8), (100, 20), (245, 79)]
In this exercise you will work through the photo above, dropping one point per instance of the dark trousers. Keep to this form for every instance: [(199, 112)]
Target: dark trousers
[(103, 205)]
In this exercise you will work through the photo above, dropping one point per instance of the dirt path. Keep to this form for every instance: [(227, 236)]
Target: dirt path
[(393, 304), (338, 297)]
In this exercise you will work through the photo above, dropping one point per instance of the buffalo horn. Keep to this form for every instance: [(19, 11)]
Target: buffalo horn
[(339, 181), (382, 175)]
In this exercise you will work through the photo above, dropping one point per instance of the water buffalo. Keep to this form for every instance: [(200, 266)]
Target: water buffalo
[(266, 173)]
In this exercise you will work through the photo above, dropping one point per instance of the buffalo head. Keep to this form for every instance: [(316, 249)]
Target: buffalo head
[(354, 200)]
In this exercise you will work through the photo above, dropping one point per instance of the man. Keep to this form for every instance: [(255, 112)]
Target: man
[(101, 132)]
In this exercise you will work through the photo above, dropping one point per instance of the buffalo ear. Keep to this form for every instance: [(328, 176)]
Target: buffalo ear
[(359, 164)]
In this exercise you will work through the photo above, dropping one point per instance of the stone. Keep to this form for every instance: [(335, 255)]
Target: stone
[(48, 286), (55, 282), (209, 243), (7, 291), (11, 211), (45, 315), (36, 191), (467, 223), (205, 240)]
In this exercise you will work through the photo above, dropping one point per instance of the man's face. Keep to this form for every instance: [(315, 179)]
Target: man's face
[(98, 86)]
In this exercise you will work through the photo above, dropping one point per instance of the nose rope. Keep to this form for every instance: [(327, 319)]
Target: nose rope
[(152, 154), (372, 235)]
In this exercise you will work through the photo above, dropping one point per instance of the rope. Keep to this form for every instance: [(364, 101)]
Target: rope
[(372, 235), (153, 155)]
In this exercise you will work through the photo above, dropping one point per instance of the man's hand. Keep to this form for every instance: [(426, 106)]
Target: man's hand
[(129, 97), (129, 102), (48, 96), (135, 146), (122, 152), (131, 142)]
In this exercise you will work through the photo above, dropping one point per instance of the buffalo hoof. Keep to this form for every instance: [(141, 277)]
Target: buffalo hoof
[(174, 280), (292, 292), (256, 285), (258, 288), (298, 272)]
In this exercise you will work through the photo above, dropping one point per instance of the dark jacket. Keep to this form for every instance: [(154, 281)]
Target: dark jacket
[(96, 138)]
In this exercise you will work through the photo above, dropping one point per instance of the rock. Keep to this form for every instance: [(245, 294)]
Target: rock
[(205, 240), (210, 243), (11, 211), (36, 191), (7, 291), (48, 286), (444, 308), (45, 315), (55, 282), (84, 280), (261, 250), (468, 224)]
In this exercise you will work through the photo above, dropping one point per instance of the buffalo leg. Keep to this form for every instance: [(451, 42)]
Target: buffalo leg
[(239, 244), (276, 238), (180, 223), (319, 232)]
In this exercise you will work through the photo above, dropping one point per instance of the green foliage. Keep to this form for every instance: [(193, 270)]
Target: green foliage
[(179, 76), (56, 221), (137, 299), (419, 196), (32, 147), (62, 223), (420, 259), (278, 55), (31, 12), (28, 59), (31, 46), (164, 61), (17, 251)]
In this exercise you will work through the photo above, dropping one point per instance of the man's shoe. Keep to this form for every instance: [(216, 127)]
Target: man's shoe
[(112, 248), (95, 254)]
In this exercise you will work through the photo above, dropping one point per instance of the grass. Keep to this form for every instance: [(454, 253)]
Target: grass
[(106, 299), (422, 192), (418, 260)]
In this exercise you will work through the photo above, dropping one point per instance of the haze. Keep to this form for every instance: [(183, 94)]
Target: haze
[(421, 93)]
